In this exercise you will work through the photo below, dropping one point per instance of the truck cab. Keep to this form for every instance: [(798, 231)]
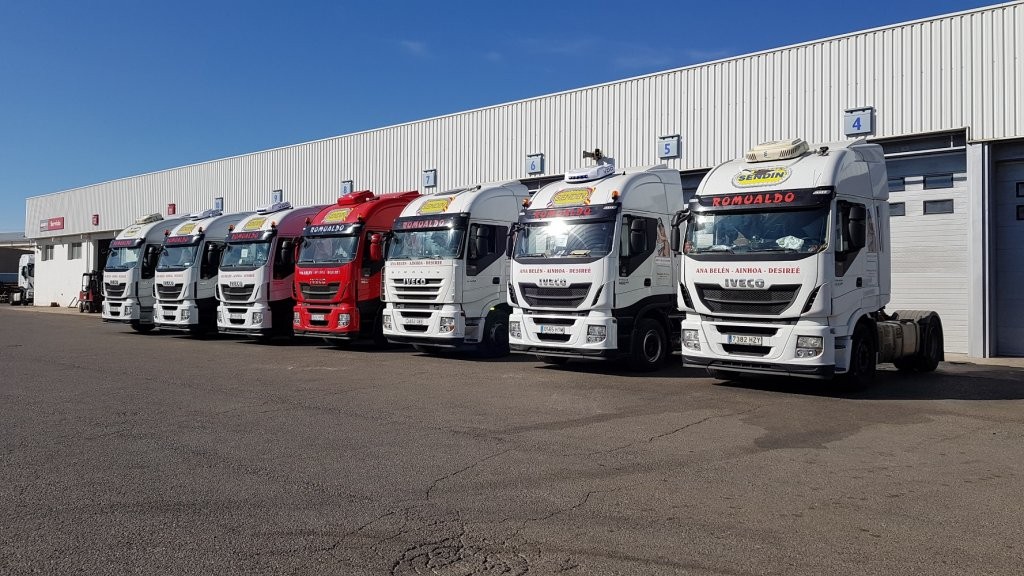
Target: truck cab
[(130, 270), (447, 271), (339, 266), (257, 268), (787, 269), (592, 275), (26, 291), (186, 272)]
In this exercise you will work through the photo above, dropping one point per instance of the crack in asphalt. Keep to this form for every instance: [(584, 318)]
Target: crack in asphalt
[(464, 469)]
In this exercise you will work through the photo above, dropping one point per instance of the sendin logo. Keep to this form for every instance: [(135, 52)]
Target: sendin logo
[(254, 224), (761, 177), (435, 205), (571, 197), (131, 232), (338, 215), (186, 229)]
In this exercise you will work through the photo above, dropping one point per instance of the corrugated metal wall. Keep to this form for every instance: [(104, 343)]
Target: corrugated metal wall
[(958, 71)]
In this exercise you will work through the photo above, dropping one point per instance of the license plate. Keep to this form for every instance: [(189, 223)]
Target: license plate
[(547, 329), (318, 317), (414, 321), (236, 316), (748, 340)]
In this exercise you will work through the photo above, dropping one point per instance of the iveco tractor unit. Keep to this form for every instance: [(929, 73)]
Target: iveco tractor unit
[(447, 270), (129, 272), (786, 268), (257, 269), (592, 275), (25, 293), (186, 272), (338, 271)]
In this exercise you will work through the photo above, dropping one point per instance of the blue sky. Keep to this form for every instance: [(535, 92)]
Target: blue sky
[(99, 90)]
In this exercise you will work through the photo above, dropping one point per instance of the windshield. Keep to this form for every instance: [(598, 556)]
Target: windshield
[(440, 244), (122, 259), (328, 249), (565, 239), (245, 255), (792, 231), (177, 257)]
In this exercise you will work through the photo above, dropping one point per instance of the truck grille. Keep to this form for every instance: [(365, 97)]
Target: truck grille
[(172, 292), (401, 292), (731, 301), (569, 297), (114, 290), (236, 293), (322, 292)]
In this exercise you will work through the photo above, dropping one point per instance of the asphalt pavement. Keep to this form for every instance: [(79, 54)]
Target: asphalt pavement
[(123, 453)]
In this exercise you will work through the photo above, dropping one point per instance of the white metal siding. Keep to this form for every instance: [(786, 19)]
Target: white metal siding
[(929, 257), (956, 71)]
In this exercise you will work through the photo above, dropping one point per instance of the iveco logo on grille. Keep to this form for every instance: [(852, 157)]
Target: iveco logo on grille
[(552, 282), (752, 283), (115, 282), (235, 284), (317, 282), (417, 281), (168, 282)]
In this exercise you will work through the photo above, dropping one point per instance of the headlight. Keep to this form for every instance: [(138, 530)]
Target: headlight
[(809, 346), (344, 320), (515, 329), (296, 318), (257, 317), (126, 310), (186, 314), (596, 334), (447, 324), (386, 319), (691, 340)]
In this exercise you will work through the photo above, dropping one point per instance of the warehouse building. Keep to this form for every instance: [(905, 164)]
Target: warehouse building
[(944, 96)]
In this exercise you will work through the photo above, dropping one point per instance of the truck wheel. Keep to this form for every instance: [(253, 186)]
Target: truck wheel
[(552, 360), (863, 357), (495, 340), (142, 328), (929, 358), (905, 364), (650, 347)]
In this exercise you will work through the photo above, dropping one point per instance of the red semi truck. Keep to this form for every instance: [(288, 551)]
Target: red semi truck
[(339, 267)]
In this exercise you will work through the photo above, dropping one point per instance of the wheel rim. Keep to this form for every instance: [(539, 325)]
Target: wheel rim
[(651, 346)]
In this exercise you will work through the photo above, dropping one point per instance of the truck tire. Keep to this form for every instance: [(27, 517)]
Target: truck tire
[(863, 359), (650, 346), (932, 351), (142, 328), (495, 338), (552, 360)]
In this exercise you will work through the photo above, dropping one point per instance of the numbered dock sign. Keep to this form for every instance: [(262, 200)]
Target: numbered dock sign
[(535, 164), (859, 121), (668, 147)]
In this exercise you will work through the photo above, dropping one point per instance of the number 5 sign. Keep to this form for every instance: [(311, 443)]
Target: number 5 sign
[(668, 147), (858, 121)]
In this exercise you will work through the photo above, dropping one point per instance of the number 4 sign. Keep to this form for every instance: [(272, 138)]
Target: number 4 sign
[(858, 121)]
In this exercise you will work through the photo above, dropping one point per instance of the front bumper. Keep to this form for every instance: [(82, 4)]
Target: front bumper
[(561, 334), (423, 326), (177, 315), (325, 321), (127, 310), (252, 318), (775, 351)]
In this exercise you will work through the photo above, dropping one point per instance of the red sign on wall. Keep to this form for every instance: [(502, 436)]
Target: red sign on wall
[(48, 224), (95, 219)]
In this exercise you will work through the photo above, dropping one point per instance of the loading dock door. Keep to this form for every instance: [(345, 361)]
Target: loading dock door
[(1008, 223)]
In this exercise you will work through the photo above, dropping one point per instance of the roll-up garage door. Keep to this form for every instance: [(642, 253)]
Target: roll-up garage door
[(928, 198), (1008, 224)]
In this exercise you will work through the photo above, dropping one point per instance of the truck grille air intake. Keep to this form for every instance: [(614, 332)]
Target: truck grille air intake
[(569, 297), (171, 292), (414, 289), (236, 293), (114, 290), (731, 301), (322, 292)]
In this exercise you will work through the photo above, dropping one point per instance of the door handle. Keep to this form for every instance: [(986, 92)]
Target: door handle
[(647, 281), (495, 280)]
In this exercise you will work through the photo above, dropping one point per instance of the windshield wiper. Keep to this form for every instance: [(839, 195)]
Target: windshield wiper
[(533, 255), (720, 248)]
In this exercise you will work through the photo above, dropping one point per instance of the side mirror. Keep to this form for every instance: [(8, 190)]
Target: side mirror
[(376, 248), (637, 237), (24, 272), (510, 240), (856, 227)]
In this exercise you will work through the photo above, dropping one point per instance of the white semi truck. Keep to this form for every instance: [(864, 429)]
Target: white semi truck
[(257, 271), (592, 275), (786, 268), (446, 273), (130, 269), (26, 292), (186, 273)]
